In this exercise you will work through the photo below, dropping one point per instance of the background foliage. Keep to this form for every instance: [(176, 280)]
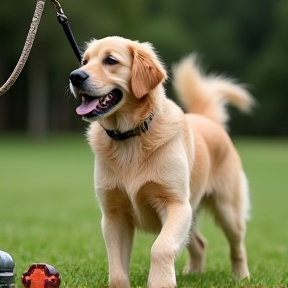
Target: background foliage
[(246, 39)]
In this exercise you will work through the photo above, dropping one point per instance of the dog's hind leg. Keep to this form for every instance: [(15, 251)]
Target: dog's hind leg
[(196, 249), (231, 212)]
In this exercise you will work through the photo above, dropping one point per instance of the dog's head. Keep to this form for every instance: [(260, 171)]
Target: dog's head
[(115, 72)]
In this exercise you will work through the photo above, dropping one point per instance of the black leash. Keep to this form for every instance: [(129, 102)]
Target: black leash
[(63, 20)]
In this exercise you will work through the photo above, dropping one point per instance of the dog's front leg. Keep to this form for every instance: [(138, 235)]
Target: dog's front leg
[(176, 221), (118, 232), (118, 235)]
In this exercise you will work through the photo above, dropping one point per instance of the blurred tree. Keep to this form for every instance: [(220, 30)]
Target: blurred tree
[(246, 39), (269, 70)]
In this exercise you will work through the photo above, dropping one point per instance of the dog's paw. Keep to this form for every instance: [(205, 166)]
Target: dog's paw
[(242, 274), (193, 269), (162, 281), (119, 284)]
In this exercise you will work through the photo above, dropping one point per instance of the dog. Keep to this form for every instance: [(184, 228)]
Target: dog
[(156, 166)]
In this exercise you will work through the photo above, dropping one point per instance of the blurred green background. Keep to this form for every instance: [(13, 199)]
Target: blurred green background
[(48, 213), (245, 39)]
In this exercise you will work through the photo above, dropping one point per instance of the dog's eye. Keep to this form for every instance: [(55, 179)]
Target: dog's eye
[(84, 62), (110, 61)]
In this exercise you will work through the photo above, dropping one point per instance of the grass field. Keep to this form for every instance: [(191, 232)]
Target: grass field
[(48, 213)]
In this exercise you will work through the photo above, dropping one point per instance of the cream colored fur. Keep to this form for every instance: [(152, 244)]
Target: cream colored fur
[(159, 180)]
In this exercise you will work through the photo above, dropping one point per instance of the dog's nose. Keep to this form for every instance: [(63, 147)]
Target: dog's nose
[(77, 77)]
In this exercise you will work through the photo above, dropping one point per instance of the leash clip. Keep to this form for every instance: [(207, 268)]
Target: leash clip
[(59, 11), (63, 20)]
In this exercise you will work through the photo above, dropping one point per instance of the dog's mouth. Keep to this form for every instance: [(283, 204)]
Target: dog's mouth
[(92, 106)]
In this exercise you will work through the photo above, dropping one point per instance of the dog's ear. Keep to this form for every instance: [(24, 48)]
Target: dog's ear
[(147, 70)]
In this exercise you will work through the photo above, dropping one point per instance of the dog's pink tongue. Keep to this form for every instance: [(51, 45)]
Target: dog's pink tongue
[(87, 107)]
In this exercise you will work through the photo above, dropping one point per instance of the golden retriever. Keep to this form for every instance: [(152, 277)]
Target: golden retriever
[(156, 166)]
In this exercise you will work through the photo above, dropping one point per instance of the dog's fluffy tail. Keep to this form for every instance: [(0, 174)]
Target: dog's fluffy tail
[(208, 95)]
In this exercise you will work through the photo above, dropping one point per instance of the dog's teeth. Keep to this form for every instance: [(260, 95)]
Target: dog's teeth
[(103, 101), (106, 100)]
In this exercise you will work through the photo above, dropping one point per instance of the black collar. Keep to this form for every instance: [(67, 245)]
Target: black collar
[(142, 127)]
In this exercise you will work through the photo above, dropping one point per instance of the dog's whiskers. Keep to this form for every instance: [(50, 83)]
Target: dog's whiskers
[(67, 92)]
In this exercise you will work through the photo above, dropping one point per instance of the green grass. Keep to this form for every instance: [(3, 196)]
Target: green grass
[(48, 213)]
